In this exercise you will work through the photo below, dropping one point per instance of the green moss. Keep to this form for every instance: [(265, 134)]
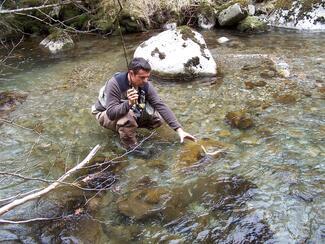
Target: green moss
[(251, 24), (242, 3), (283, 4), (56, 34), (308, 4), (206, 8), (32, 3), (186, 32), (73, 16)]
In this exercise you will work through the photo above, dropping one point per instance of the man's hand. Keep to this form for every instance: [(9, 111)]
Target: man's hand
[(184, 135), (132, 95)]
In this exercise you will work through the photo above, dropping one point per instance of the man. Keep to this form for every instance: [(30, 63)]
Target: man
[(128, 101)]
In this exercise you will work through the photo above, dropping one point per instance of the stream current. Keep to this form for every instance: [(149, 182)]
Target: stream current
[(268, 185)]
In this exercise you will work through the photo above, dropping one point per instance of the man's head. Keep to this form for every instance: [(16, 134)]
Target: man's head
[(139, 71)]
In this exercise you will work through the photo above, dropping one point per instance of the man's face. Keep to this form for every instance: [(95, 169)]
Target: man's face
[(140, 78)]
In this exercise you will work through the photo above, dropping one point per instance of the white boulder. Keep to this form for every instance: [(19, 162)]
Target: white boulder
[(178, 54), (298, 18), (57, 42)]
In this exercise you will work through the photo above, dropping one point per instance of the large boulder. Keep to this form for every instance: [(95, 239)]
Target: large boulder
[(57, 41), (231, 15), (302, 15), (178, 54)]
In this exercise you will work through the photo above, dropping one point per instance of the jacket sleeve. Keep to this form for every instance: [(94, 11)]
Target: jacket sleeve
[(165, 112), (115, 107)]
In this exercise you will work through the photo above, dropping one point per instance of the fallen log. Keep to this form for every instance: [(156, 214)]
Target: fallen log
[(40, 193)]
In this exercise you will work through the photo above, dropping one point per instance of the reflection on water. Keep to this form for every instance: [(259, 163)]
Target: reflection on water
[(266, 186)]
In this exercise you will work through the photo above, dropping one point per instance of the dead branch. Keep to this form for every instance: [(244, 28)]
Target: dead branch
[(64, 25), (40, 193), (18, 195), (4, 221), (11, 11), (12, 49)]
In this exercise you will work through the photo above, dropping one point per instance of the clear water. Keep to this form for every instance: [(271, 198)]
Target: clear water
[(266, 187)]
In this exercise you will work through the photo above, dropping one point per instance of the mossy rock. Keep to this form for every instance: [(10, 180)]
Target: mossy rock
[(222, 6), (73, 16), (252, 24), (207, 9), (283, 4), (132, 23), (239, 119), (32, 3)]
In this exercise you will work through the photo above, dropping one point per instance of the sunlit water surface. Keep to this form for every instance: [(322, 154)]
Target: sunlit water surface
[(266, 187)]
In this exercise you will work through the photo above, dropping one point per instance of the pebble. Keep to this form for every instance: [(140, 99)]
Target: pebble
[(222, 40)]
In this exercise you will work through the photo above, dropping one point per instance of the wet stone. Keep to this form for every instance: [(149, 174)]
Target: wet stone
[(286, 99), (301, 192), (9, 101), (143, 203), (239, 119), (192, 152), (7, 236), (250, 229), (268, 74), (224, 133), (145, 181), (321, 89)]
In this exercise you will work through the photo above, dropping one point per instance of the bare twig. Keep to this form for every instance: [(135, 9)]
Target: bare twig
[(12, 49), (20, 126), (66, 26), (10, 11), (38, 194), (18, 195), (4, 221)]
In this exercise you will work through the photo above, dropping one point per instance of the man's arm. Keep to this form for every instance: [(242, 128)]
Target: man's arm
[(162, 108), (167, 114), (115, 109)]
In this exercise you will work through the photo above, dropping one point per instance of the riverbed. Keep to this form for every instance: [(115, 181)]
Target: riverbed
[(265, 186)]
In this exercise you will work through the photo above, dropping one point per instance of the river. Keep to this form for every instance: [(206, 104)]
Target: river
[(265, 187)]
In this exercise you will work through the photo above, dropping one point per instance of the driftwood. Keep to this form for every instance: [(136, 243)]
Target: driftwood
[(40, 193), (11, 11)]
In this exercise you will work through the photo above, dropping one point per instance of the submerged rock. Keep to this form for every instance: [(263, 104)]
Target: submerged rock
[(57, 41), (9, 101), (192, 152), (143, 203), (239, 119), (232, 15), (286, 99), (178, 54), (251, 85), (252, 24)]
